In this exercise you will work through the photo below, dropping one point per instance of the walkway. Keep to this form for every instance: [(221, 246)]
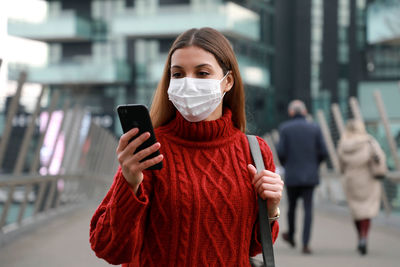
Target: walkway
[(334, 242), (64, 242)]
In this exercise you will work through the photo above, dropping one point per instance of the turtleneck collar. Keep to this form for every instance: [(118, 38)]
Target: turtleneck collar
[(203, 130)]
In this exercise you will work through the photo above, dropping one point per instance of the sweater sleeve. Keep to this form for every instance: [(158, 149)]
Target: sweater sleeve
[(256, 247), (118, 225)]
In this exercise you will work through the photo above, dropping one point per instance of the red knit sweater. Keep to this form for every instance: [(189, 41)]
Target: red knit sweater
[(199, 210)]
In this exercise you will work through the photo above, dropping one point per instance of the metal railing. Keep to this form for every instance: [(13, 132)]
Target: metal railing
[(78, 165)]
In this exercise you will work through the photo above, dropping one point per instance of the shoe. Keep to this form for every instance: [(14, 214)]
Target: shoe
[(306, 250), (285, 236), (363, 250), (362, 247)]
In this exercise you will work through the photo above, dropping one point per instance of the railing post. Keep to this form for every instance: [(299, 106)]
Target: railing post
[(18, 168), (71, 138), (76, 153), (10, 115), (389, 136), (39, 197), (28, 190), (60, 130), (338, 118), (3, 219), (328, 141), (36, 158), (355, 109), (50, 196)]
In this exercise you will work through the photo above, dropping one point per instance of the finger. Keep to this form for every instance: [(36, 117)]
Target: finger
[(124, 140), (268, 180), (139, 156), (266, 173), (269, 187), (252, 169), (275, 196), (135, 143), (269, 173), (132, 146), (150, 162)]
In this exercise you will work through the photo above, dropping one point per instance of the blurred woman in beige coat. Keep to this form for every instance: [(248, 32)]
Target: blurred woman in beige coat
[(363, 192)]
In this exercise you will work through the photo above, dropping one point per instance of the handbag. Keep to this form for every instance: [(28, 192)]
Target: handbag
[(378, 162), (265, 228)]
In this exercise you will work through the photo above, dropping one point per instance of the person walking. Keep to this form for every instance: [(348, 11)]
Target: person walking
[(356, 150), (201, 208), (301, 149)]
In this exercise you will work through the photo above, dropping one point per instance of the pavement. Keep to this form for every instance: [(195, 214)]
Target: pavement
[(64, 241), (334, 241)]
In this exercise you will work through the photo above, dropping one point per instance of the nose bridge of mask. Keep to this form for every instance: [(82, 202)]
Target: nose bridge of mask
[(202, 85)]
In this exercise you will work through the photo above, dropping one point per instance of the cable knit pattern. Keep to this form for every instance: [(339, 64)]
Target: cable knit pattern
[(199, 210)]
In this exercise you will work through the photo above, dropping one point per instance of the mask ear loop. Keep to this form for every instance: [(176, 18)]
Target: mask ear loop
[(220, 81), (224, 76)]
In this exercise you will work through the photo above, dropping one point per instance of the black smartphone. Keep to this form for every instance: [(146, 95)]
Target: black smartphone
[(137, 116)]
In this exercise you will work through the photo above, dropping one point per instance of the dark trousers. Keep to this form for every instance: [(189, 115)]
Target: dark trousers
[(294, 193), (362, 228)]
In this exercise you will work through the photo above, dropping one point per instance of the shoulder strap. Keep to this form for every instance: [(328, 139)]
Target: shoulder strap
[(265, 228)]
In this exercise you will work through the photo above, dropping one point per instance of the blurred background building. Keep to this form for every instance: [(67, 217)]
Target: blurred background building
[(104, 53), (113, 52)]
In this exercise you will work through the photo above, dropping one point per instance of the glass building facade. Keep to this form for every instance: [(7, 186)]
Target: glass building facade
[(381, 70), (318, 51), (107, 53)]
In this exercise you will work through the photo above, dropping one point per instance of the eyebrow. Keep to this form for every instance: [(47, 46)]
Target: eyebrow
[(198, 66)]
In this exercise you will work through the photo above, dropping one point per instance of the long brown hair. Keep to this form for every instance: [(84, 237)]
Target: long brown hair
[(212, 41)]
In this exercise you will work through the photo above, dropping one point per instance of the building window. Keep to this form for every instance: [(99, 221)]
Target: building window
[(73, 50)]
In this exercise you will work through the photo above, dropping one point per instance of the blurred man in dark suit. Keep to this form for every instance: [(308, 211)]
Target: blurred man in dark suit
[(301, 149)]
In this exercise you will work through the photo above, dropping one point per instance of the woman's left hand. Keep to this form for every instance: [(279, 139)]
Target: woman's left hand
[(268, 185)]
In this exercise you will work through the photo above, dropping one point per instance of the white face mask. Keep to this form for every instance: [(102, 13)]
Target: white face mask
[(195, 98)]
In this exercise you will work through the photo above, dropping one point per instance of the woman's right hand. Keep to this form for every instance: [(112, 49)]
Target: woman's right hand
[(130, 161)]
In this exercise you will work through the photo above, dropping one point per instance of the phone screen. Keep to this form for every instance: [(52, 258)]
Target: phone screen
[(137, 116)]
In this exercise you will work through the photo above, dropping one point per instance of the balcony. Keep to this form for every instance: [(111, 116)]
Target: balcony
[(65, 26), (75, 73), (229, 18)]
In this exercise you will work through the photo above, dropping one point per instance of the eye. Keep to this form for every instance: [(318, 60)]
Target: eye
[(176, 75), (203, 73)]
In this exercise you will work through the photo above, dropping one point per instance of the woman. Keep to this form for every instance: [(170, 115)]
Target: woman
[(201, 208), (363, 191)]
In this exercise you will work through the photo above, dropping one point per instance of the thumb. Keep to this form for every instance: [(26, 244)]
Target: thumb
[(252, 169)]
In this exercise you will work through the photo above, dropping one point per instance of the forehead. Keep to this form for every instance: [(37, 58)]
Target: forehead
[(192, 56)]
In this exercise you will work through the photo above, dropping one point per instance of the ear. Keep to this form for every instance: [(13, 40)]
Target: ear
[(229, 81)]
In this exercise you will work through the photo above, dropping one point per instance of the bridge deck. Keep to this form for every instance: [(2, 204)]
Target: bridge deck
[(64, 242)]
